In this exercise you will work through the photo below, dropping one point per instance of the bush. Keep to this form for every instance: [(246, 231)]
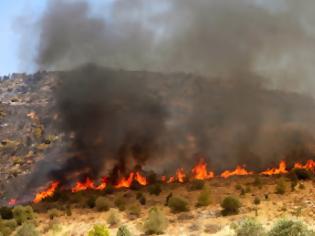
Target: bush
[(23, 213), (178, 204), (230, 206), (155, 189), (120, 203), (238, 187), (285, 227), (102, 204), (280, 187), (7, 226), (204, 198), (53, 213), (27, 229), (257, 201), (156, 222), (249, 227), (6, 213), (91, 201), (134, 210), (113, 217), (257, 182), (99, 230), (197, 184), (301, 174), (123, 231)]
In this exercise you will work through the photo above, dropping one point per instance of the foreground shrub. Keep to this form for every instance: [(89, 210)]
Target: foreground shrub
[(113, 217), (204, 198), (178, 204), (120, 203), (230, 205), (7, 226), (99, 230), (27, 229), (134, 210), (285, 227), (6, 213), (156, 222), (197, 184), (102, 204), (123, 231), (155, 189), (249, 227), (23, 213), (280, 187)]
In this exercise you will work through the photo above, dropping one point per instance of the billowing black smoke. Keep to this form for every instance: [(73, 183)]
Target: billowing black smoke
[(248, 54)]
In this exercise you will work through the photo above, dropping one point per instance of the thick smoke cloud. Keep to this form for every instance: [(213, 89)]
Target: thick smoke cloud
[(238, 111)]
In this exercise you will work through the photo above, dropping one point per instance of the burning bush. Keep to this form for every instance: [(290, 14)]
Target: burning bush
[(178, 204), (123, 231), (285, 227), (156, 223), (23, 213), (27, 229), (230, 205), (102, 204), (204, 198), (99, 230), (249, 227)]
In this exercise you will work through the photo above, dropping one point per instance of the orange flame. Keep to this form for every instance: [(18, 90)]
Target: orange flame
[(238, 171), (180, 175), (171, 180), (89, 184), (200, 171), (142, 180), (309, 165), (125, 182), (47, 193), (276, 171)]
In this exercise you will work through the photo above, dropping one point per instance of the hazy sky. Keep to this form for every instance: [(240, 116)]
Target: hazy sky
[(26, 11)]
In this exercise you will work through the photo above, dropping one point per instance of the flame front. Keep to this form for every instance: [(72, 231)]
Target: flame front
[(238, 171), (142, 180), (47, 193), (125, 182), (282, 169), (200, 171)]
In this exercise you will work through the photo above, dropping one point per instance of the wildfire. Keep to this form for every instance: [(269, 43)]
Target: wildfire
[(309, 165), (238, 171), (276, 171), (200, 171), (180, 177), (125, 182), (142, 180), (47, 193)]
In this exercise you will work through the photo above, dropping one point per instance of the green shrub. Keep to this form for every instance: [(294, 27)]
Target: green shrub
[(280, 187), (22, 214), (99, 230), (249, 227), (6, 213), (155, 189), (134, 210), (230, 205), (7, 226), (53, 213), (27, 229), (285, 227), (178, 204), (238, 187), (113, 217), (120, 203), (102, 204), (204, 198), (156, 223), (257, 182), (197, 184), (256, 200), (123, 231)]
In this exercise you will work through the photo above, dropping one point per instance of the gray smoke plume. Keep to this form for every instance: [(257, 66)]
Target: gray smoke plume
[(248, 55)]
